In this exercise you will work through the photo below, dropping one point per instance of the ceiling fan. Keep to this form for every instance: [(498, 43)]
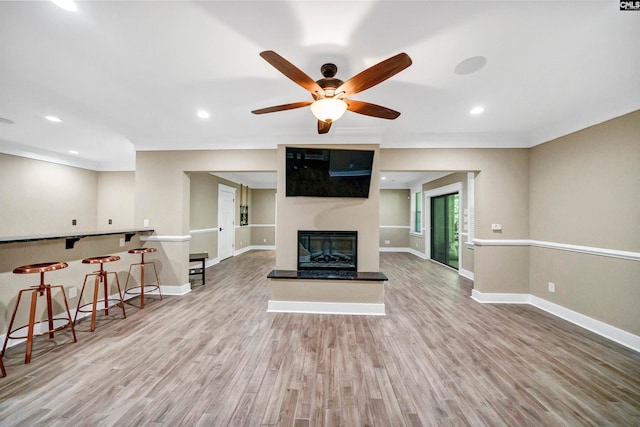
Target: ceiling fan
[(330, 95)]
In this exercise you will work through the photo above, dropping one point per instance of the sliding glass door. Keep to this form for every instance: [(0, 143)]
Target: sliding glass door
[(444, 229)]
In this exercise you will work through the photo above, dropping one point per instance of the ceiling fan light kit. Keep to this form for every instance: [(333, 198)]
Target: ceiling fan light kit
[(330, 94), (328, 109)]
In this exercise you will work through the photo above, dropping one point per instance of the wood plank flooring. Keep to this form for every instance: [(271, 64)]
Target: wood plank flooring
[(215, 357)]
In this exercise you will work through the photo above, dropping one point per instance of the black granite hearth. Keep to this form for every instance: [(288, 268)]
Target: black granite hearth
[(327, 275)]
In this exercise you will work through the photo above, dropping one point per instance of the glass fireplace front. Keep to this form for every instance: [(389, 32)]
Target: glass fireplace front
[(328, 250)]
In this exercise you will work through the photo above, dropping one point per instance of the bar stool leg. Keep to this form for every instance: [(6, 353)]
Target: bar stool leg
[(124, 314), (142, 283), (13, 318), (49, 310), (103, 279), (32, 319), (4, 373), (66, 305), (96, 289)]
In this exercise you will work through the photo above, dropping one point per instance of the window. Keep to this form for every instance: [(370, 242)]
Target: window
[(416, 212)]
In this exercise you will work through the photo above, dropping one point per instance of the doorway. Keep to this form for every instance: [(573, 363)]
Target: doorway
[(444, 229), (226, 223)]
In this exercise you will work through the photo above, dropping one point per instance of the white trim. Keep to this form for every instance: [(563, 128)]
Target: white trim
[(222, 248), (590, 250), (466, 274), (204, 230), (497, 298), (167, 238), (396, 226), (176, 290), (393, 249), (471, 216), (617, 335), (311, 307), (254, 248)]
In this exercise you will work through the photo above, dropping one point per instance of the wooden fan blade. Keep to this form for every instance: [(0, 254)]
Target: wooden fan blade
[(372, 110), (283, 107), (291, 71), (323, 127), (374, 75)]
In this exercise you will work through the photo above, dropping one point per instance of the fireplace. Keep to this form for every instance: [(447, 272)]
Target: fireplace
[(328, 251)]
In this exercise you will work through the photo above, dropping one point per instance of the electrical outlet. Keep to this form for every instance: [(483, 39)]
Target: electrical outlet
[(74, 222), (145, 222), (387, 242), (265, 240), (496, 227), (110, 221), (122, 242), (552, 287)]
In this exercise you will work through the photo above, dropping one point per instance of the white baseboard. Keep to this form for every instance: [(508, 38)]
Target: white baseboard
[(496, 298), (393, 249), (617, 335), (254, 248), (466, 274), (175, 290), (311, 307)]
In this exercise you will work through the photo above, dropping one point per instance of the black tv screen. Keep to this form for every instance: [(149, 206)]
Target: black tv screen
[(320, 172)]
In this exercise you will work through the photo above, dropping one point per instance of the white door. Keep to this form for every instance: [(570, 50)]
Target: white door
[(226, 224)]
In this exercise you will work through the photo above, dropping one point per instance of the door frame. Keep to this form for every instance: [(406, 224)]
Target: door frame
[(225, 188), (426, 208)]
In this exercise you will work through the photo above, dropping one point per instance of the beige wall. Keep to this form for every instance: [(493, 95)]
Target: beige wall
[(38, 197), (395, 209), (262, 217), (116, 200), (585, 190)]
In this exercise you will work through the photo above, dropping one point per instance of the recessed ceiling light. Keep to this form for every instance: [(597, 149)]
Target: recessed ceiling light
[(69, 5), (53, 119), (203, 114), (476, 110), (383, 177), (73, 152)]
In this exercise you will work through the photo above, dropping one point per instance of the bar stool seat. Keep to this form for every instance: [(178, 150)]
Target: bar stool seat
[(140, 289), (100, 276), (36, 291)]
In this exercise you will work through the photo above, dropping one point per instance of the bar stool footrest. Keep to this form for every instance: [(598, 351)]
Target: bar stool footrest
[(100, 306), (148, 289), (11, 335)]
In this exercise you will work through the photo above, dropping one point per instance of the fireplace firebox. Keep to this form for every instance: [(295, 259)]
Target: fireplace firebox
[(328, 250)]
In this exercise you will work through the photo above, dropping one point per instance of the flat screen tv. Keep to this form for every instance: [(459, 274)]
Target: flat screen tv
[(323, 172)]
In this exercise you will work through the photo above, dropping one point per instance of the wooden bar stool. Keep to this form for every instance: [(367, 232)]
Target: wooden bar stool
[(100, 276), (4, 373), (141, 287), (36, 291)]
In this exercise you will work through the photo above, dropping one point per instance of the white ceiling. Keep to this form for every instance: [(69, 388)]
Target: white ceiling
[(127, 76)]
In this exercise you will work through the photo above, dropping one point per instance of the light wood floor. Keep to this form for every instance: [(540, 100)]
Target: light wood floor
[(215, 358)]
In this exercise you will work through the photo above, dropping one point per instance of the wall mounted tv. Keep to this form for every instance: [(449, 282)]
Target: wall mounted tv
[(320, 172)]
